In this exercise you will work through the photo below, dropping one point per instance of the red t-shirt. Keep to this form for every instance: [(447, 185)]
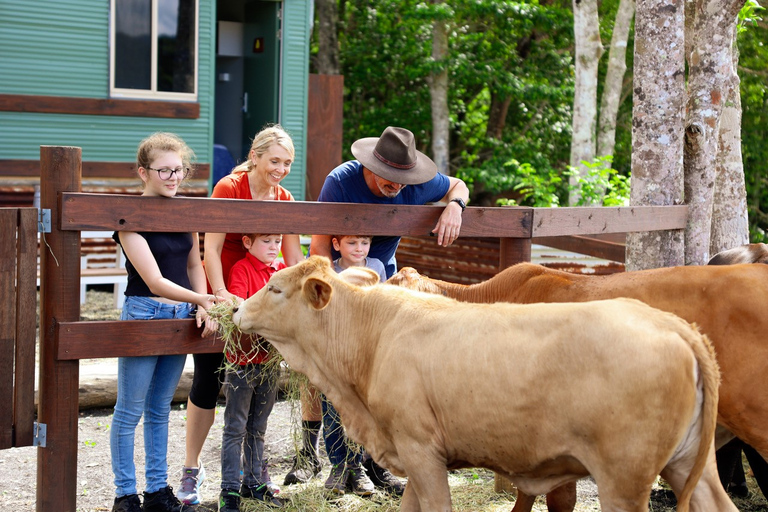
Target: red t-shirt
[(246, 277), (237, 186)]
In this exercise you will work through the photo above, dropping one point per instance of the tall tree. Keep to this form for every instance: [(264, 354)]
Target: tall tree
[(712, 78), (438, 89), (657, 127), (614, 78), (327, 37), (586, 30), (730, 226)]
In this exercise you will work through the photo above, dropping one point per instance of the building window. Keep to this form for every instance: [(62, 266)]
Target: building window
[(154, 49)]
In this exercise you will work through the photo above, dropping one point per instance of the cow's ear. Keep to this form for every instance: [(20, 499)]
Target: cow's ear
[(317, 292), (360, 276)]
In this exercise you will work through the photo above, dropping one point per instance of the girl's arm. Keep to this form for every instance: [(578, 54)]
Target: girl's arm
[(291, 249)]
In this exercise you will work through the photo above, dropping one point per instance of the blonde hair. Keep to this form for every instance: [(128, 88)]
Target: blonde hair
[(263, 140), (163, 141)]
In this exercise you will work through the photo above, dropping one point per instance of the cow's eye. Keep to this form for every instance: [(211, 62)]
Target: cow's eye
[(273, 289)]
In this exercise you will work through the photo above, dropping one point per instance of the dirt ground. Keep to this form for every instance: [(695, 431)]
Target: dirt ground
[(95, 490)]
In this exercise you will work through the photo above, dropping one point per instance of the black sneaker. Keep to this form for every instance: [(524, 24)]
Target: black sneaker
[(229, 501), (358, 482), (337, 479), (128, 503), (261, 493), (383, 479), (164, 501), (305, 467)]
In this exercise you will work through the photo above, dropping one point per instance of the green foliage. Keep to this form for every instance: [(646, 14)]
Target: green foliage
[(601, 185), (753, 63), (748, 15)]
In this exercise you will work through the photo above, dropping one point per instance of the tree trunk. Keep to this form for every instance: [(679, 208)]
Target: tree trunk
[(586, 32), (614, 78), (497, 116), (327, 39), (657, 128), (730, 227), (711, 77), (438, 88)]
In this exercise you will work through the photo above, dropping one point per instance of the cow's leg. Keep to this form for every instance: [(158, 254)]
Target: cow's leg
[(523, 502), (561, 499), (427, 479), (410, 501), (708, 494), (624, 491)]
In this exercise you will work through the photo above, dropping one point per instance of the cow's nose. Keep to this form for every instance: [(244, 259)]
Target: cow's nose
[(234, 310)]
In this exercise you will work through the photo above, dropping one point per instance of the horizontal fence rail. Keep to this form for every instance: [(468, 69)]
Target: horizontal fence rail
[(64, 340)]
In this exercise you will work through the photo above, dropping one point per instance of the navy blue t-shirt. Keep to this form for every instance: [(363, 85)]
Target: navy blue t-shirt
[(171, 251), (346, 184)]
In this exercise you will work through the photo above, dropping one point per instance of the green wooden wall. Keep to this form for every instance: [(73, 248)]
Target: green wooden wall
[(297, 20), (61, 48)]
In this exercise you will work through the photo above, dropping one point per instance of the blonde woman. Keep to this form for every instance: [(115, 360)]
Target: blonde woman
[(258, 178)]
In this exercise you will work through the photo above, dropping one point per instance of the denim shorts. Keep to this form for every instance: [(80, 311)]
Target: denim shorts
[(147, 308)]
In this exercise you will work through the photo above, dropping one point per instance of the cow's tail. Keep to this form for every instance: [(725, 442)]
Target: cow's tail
[(710, 378)]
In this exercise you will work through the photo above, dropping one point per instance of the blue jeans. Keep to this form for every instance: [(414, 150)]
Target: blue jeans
[(250, 398), (145, 385), (336, 444)]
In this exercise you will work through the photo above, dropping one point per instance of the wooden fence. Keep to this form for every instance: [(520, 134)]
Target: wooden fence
[(64, 340)]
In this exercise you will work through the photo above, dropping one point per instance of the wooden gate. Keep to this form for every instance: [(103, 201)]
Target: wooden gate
[(18, 268)]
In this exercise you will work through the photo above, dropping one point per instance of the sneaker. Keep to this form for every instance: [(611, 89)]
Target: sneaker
[(337, 480), (383, 479), (262, 494), (358, 482), (273, 487), (127, 503), (305, 467), (229, 501), (164, 501), (191, 480)]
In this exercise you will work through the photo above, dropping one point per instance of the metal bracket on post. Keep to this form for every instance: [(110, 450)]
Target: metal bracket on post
[(39, 432), (43, 220)]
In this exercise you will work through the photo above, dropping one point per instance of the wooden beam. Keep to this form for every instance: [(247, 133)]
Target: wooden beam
[(99, 107), (206, 215), (607, 219), (118, 339), (26, 324), (7, 324), (107, 170), (597, 248), (59, 380)]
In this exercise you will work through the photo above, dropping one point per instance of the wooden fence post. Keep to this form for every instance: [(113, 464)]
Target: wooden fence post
[(60, 171)]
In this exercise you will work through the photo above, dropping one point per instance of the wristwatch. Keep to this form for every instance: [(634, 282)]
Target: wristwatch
[(460, 201)]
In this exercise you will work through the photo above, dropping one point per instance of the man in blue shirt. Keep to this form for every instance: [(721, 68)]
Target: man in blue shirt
[(388, 170)]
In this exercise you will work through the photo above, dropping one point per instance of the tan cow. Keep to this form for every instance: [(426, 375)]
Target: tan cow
[(544, 394), (727, 303)]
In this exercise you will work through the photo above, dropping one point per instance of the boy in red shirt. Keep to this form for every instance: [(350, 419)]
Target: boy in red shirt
[(250, 393)]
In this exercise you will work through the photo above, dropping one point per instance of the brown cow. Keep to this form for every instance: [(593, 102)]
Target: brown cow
[(614, 389), (727, 303)]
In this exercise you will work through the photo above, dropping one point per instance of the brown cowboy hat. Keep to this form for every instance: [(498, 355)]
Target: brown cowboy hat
[(394, 157)]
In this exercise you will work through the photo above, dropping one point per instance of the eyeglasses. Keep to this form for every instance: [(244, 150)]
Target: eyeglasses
[(165, 174)]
